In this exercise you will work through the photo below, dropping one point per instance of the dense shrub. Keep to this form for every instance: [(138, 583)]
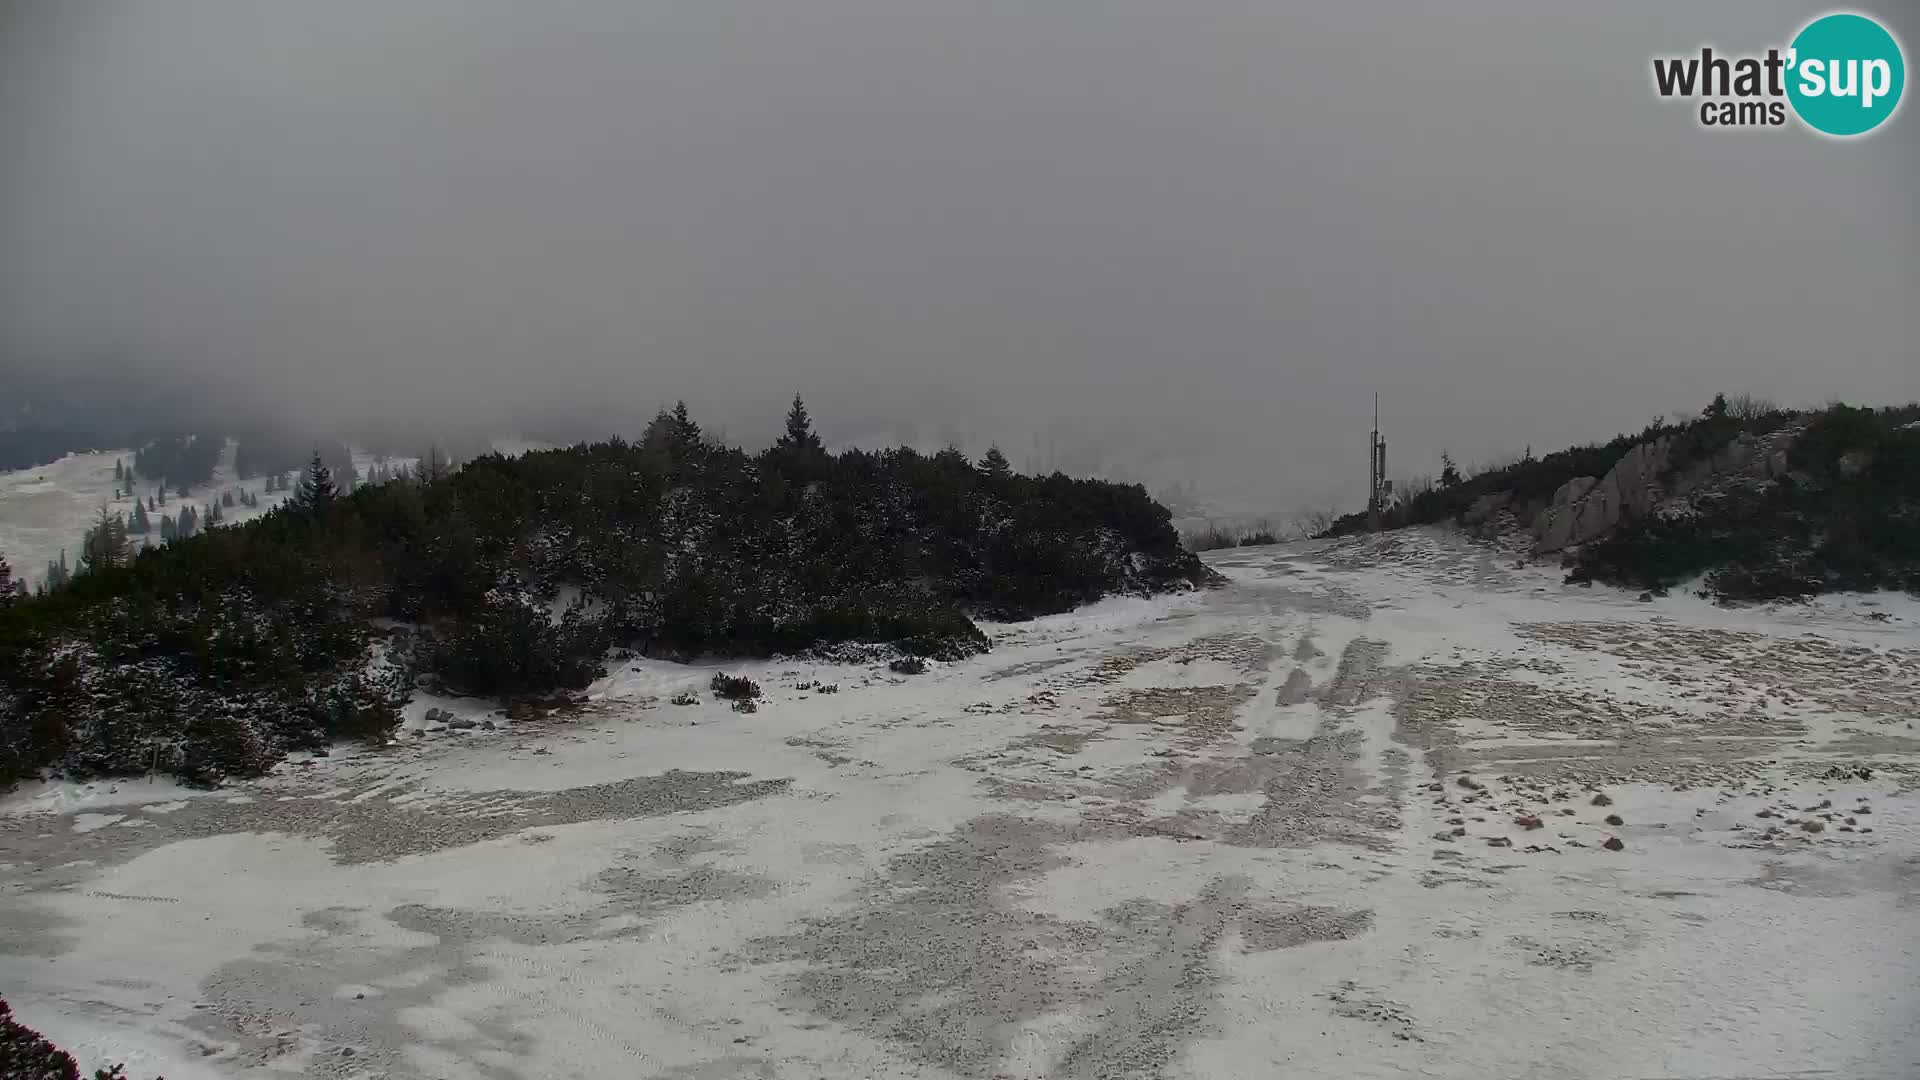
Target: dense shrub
[(908, 665), (734, 687), (213, 655)]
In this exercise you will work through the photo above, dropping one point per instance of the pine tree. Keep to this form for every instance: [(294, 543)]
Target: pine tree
[(686, 433), (317, 490), (800, 437), (1449, 472), (1716, 409), (119, 469), (57, 573), (226, 498), (168, 530), (150, 503), (140, 525), (7, 584), (185, 525), (105, 547), (995, 463)]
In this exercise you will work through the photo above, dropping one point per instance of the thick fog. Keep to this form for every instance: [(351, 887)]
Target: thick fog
[(1167, 241)]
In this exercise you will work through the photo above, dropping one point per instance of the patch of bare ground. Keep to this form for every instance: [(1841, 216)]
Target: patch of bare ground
[(936, 956), (375, 824), (1202, 714), (1731, 666)]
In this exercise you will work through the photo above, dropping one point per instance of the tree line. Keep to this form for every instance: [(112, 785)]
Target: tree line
[(215, 654)]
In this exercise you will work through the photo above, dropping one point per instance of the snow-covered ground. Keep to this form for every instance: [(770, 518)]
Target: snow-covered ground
[(1345, 816), (47, 509)]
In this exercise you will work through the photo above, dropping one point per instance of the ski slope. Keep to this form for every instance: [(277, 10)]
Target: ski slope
[(1345, 816), (47, 509)]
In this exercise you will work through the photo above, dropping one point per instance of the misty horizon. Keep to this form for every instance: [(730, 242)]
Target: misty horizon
[(1181, 248)]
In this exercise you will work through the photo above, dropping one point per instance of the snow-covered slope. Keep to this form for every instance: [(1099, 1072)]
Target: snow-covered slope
[(48, 509), (1345, 816)]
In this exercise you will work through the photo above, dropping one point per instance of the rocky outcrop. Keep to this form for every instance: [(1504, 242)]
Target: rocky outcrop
[(1585, 509)]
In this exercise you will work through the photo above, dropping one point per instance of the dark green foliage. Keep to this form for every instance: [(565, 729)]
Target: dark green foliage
[(734, 687), (509, 647), (995, 463), (214, 654), (317, 489), (799, 438), (26, 1055), (908, 665)]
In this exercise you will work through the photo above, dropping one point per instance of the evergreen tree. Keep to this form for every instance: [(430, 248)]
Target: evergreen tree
[(105, 546), (800, 437), (7, 584), (185, 525), (163, 494), (181, 490), (1449, 473), (226, 498), (686, 433), (317, 490), (995, 463), (140, 525), (150, 503), (119, 469), (1716, 409), (168, 531), (57, 573)]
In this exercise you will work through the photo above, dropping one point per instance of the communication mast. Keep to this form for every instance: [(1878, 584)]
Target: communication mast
[(1378, 486)]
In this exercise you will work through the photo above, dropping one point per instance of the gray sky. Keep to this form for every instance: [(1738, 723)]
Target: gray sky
[(1190, 240)]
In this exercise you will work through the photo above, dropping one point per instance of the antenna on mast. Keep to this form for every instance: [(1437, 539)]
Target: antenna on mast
[(1377, 489)]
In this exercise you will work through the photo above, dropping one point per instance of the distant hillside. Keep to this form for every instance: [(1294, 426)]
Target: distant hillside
[(514, 576), (1761, 503)]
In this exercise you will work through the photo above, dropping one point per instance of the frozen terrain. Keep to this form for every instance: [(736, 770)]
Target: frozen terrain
[(1345, 816)]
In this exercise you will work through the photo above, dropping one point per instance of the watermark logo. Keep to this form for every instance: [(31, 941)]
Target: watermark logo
[(1843, 75)]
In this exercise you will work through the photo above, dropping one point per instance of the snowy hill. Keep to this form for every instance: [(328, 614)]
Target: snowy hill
[(46, 510), (1352, 814)]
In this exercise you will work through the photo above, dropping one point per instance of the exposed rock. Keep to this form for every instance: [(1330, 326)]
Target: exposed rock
[(461, 723), (1528, 821), (1614, 843), (1603, 799), (1615, 819), (1585, 509)]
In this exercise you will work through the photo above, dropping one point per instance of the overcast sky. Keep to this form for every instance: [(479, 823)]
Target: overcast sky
[(1198, 234)]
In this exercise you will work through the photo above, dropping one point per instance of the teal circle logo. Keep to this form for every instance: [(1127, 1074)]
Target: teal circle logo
[(1845, 74)]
